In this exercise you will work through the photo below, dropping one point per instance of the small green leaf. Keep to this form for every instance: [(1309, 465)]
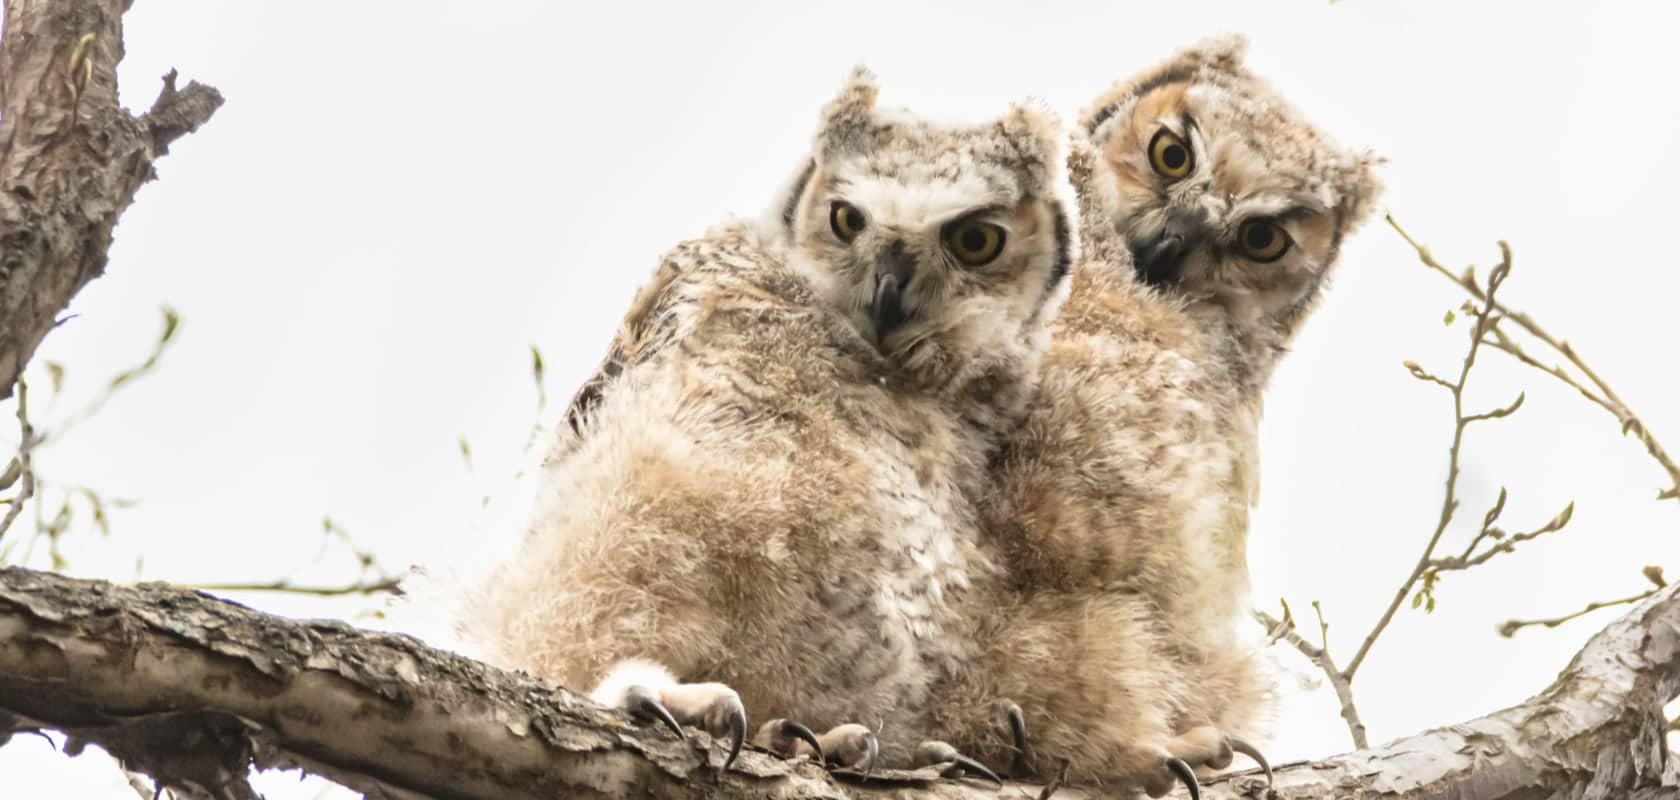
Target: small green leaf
[(171, 323), (1654, 574), (466, 451), (1563, 517), (1449, 319), (1417, 600), (55, 371)]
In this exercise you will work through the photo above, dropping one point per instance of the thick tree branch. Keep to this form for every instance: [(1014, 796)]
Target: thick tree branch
[(71, 158), (194, 690)]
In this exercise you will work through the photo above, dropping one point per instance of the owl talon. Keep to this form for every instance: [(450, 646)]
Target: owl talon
[(648, 690), (1017, 722), (737, 734), (1241, 745), (784, 736), (644, 702), (935, 753), (1185, 775)]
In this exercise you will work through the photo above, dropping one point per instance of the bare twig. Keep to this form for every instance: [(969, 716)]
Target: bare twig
[(1605, 397), (1653, 574), (384, 585), (1488, 542), (374, 578), (24, 467), (1340, 681), (1484, 320)]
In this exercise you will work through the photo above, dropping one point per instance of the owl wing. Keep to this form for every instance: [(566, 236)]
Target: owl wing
[(647, 330)]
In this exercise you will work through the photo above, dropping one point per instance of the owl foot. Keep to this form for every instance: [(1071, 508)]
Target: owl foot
[(1205, 746), (712, 706), (849, 746), (648, 690), (933, 753), (788, 738)]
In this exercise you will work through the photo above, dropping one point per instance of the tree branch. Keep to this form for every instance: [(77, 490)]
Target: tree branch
[(194, 691), (22, 467), (1461, 421), (1605, 397), (71, 159)]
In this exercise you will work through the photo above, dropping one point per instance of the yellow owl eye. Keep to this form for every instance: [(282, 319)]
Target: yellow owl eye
[(846, 220), (1170, 155), (1263, 240), (973, 242)]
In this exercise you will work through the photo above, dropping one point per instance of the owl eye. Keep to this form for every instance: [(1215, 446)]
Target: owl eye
[(846, 220), (973, 242), (1170, 155), (1263, 240)]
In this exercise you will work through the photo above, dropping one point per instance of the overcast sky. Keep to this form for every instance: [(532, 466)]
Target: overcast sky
[(398, 199)]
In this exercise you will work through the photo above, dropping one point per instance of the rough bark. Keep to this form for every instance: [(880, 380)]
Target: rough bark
[(195, 691), (70, 158)]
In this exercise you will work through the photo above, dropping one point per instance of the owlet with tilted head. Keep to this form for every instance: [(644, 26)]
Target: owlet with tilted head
[(1212, 215), (764, 502)]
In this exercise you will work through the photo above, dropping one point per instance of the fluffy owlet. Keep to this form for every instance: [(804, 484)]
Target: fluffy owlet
[(764, 503), (1212, 214)]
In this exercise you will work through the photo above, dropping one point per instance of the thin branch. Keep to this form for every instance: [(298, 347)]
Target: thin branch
[(1449, 502), (386, 585), (1605, 397), (25, 467), (1653, 574), (1284, 630), (1503, 543)]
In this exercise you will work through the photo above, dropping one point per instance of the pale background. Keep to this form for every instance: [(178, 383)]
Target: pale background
[(398, 198)]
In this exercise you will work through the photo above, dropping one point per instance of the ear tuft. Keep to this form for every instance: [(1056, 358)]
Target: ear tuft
[(851, 112), (1224, 52), (1036, 133), (1360, 186)]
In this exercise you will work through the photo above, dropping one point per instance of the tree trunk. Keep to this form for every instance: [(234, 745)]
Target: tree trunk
[(195, 691), (70, 158)]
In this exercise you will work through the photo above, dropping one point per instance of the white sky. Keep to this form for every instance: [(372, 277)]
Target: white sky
[(398, 199)]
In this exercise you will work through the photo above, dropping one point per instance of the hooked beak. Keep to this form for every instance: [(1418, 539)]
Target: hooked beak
[(893, 271), (1160, 261)]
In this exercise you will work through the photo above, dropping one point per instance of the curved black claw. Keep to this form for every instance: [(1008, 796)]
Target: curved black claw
[(941, 753), (1185, 775), (642, 700), (804, 734), (737, 734), (1018, 734), (1242, 746)]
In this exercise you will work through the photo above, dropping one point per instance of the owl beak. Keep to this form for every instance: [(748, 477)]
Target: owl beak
[(1160, 261), (893, 271)]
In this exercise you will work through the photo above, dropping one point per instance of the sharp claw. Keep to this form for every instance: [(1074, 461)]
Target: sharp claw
[(935, 753), (1017, 732), (642, 701), (1241, 745), (975, 767), (737, 734), (804, 734), (1185, 775)]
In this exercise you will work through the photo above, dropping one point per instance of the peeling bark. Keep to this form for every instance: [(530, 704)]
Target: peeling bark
[(70, 158), (195, 691)]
